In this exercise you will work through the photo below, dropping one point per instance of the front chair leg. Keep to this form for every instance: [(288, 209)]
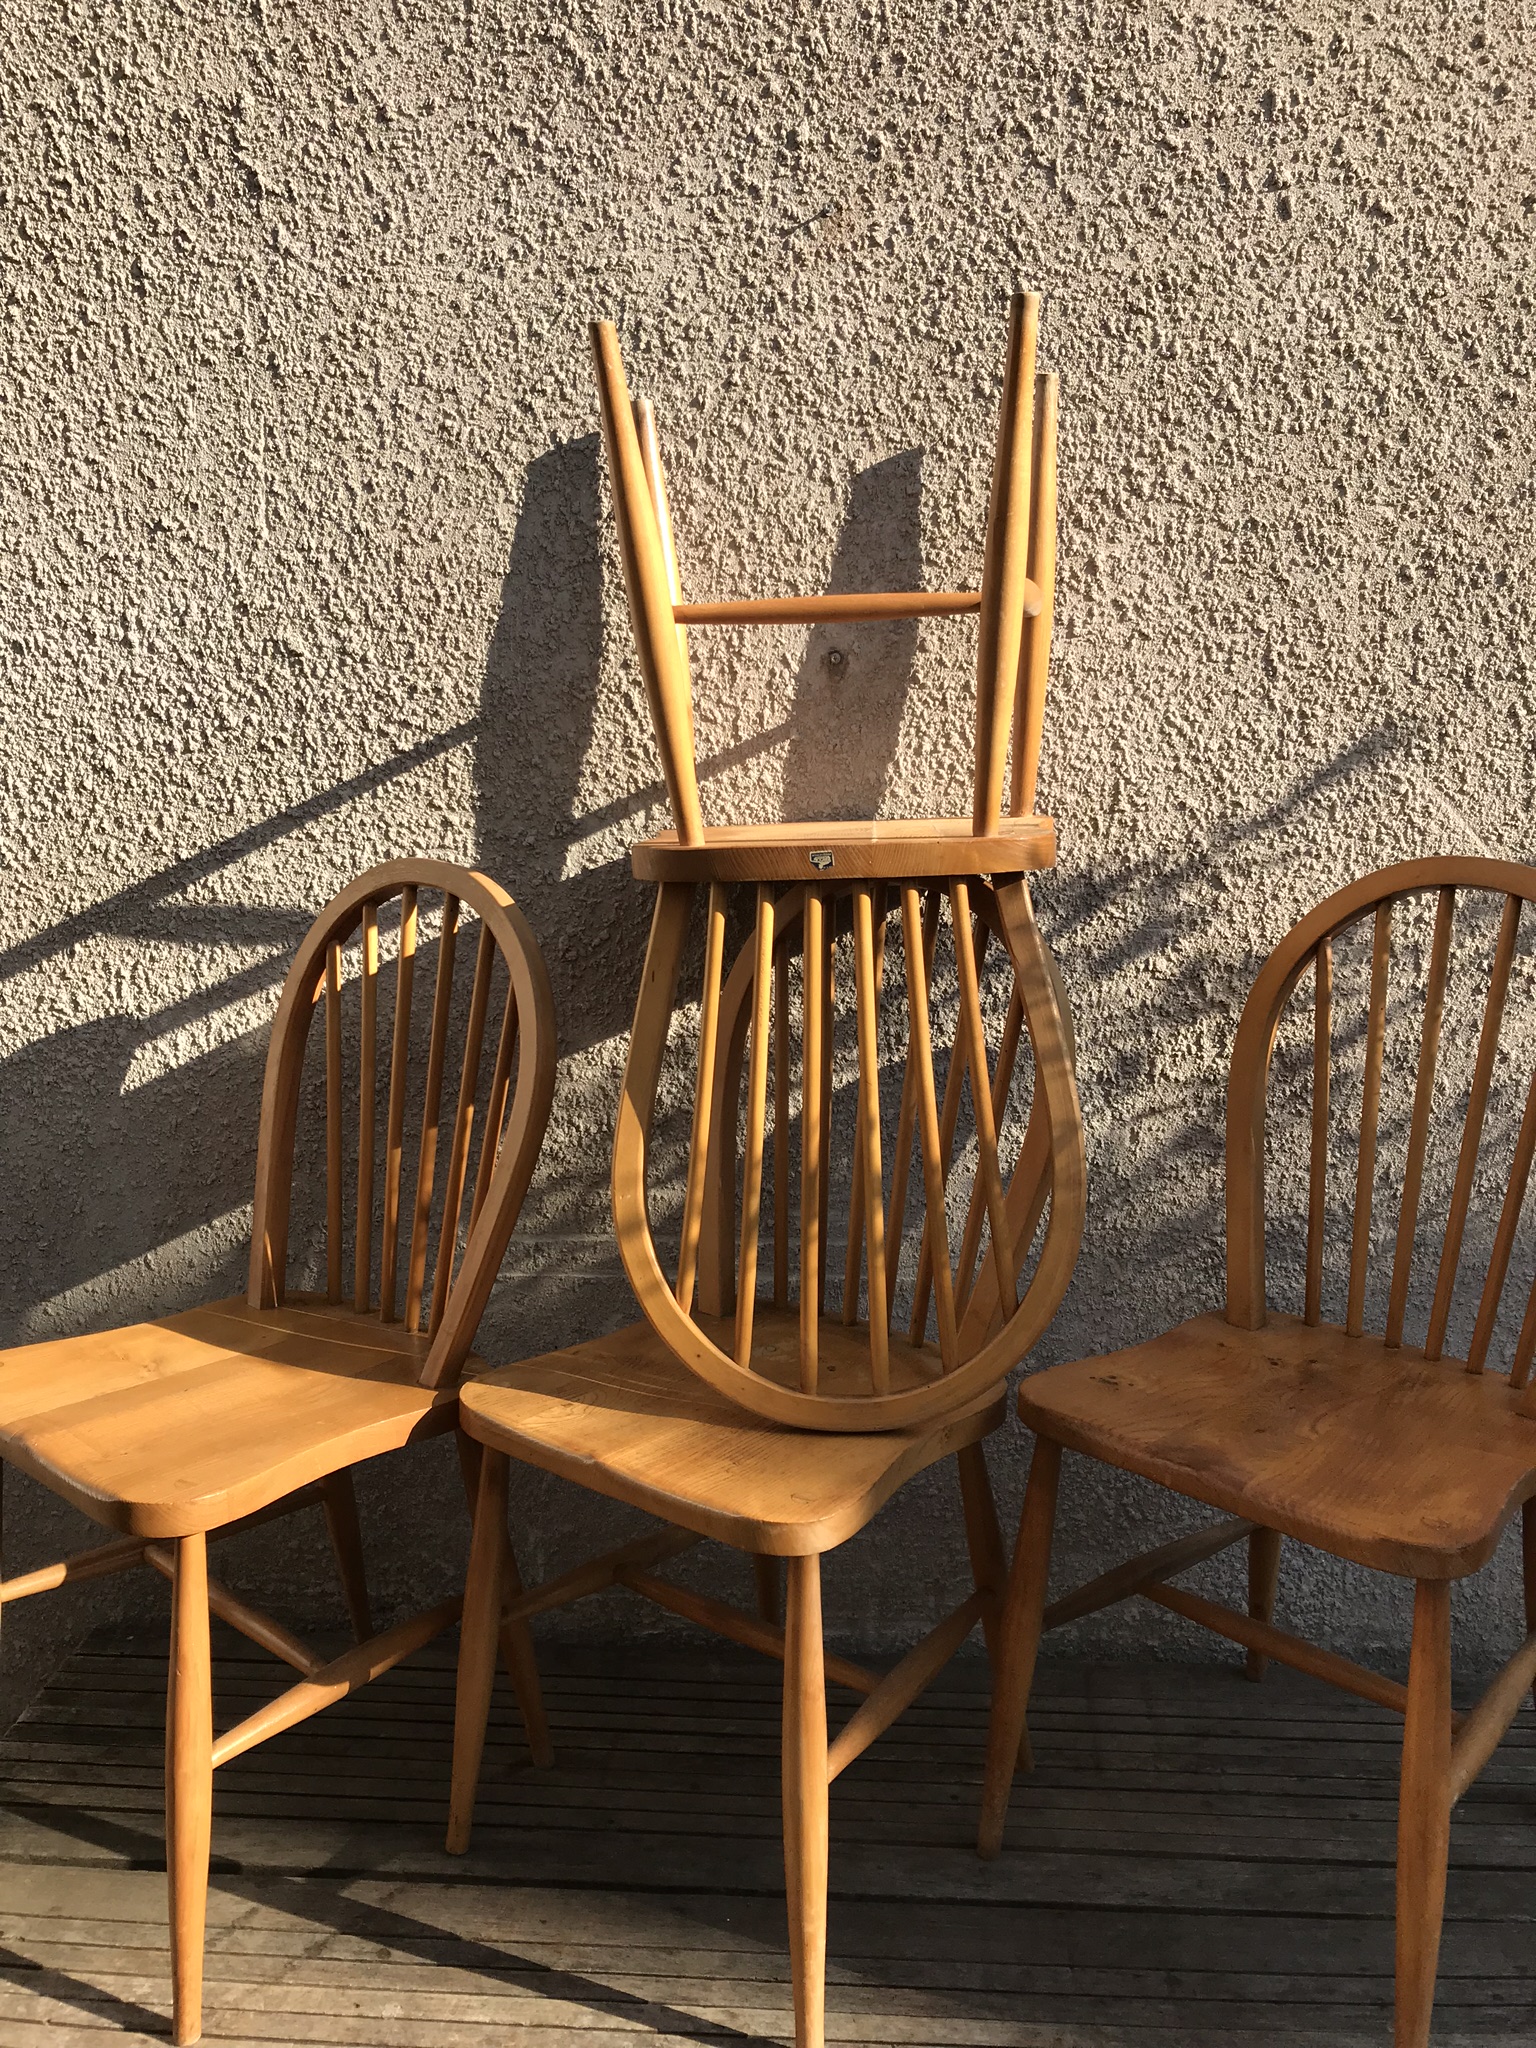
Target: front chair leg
[(1023, 1611), (1263, 1580), (1423, 1813), (517, 1651), (479, 1627), (805, 1798), (347, 1543), (188, 1783)]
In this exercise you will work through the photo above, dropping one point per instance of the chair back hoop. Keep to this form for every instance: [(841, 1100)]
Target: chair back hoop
[(473, 1192), (782, 1353), (1309, 947), (1014, 606)]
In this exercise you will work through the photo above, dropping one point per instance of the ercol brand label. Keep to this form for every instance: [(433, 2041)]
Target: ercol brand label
[(821, 859)]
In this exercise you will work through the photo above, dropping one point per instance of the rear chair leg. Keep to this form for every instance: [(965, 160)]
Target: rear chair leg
[(1023, 1609), (1423, 1813), (479, 1627), (347, 1542), (188, 1784), (989, 1568), (805, 1799), (1263, 1578), (765, 1577)]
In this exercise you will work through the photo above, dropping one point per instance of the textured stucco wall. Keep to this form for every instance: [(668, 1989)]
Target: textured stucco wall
[(306, 561)]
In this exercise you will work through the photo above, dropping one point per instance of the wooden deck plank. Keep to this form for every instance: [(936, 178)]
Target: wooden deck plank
[(1195, 1861)]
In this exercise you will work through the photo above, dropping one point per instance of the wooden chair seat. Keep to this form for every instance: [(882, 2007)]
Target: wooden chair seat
[(1379, 1455), (624, 1417), (184, 1424)]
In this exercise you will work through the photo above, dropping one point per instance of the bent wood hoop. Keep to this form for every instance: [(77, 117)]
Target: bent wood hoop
[(521, 1088), (983, 1332)]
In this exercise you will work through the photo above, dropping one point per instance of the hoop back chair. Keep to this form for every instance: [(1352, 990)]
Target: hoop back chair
[(1395, 1455), (213, 1420), (751, 1406)]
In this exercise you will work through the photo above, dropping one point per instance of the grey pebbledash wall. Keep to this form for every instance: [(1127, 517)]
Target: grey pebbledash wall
[(307, 561)]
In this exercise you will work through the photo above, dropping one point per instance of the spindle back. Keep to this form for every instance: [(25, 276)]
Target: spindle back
[(426, 1209), (1434, 953), (1014, 605), (772, 1048)]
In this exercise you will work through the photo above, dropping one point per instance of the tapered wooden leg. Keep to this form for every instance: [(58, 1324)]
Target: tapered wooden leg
[(479, 1627), (765, 1574), (347, 1542), (517, 1654), (188, 1783), (805, 1799), (989, 1569), (1023, 1608), (517, 1651), (1528, 1549), (1423, 1813), (1263, 1578)]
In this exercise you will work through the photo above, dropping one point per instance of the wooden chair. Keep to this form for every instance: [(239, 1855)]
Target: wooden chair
[(748, 1407), (1395, 1455), (217, 1418)]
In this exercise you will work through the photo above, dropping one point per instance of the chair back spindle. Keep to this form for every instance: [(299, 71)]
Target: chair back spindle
[(450, 1260)]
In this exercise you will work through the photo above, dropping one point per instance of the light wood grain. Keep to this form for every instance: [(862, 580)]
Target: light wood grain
[(188, 1784), (1423, 1102), (394, 1127), (1370, 1115), (1006, 590), (1035, 652), (431, 1114), (334, 1194), (1423, 1814), (703, 1097), (880, 849), (367, 1109), (805, 1798), (1322, 1073), (757, 1112)]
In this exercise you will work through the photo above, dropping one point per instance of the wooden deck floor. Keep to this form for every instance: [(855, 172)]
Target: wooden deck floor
[(1196, 1862)]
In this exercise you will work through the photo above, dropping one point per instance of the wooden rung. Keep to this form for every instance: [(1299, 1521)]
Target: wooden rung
[(867, 994), (394, 1129), (1370, 1116), (1002, 1081), (838, 604), (1322, 1071), (431, 1114), (335, 1680), (257, 1627), (906, 1122), (333, 1188), (1472, 1131), (747, 1629), (703, 1096), (953, 1082), (988, 1169), (812, 1171), (933, 1264), (1035, 651), (463, 1128), (1276, 1643), (599, 1573), (367, 1111), (781, 1127), (1418, 1127), (1146, 1570), (757, 1116), (1483, 1727), (901, 1686), (496, 1107), (99, 1563)]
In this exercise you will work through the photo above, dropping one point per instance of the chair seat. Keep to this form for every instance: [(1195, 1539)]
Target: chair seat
[(1373, 1454), (623, 1417), (166, 1428)]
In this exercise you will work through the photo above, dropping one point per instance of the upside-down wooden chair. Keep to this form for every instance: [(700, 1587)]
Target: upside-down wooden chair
[(1391, 1454), (209, 1421), (748, 1406)]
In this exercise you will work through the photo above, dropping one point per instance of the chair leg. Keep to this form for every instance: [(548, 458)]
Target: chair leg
[(765, 1576), (188, 1784), (1263, 1579), (1528, 1551), (479, 1627), (1023, 1610), (347, 1543), (1423, 1813), (805, 1799), (517, 1651), (989, 1566)]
